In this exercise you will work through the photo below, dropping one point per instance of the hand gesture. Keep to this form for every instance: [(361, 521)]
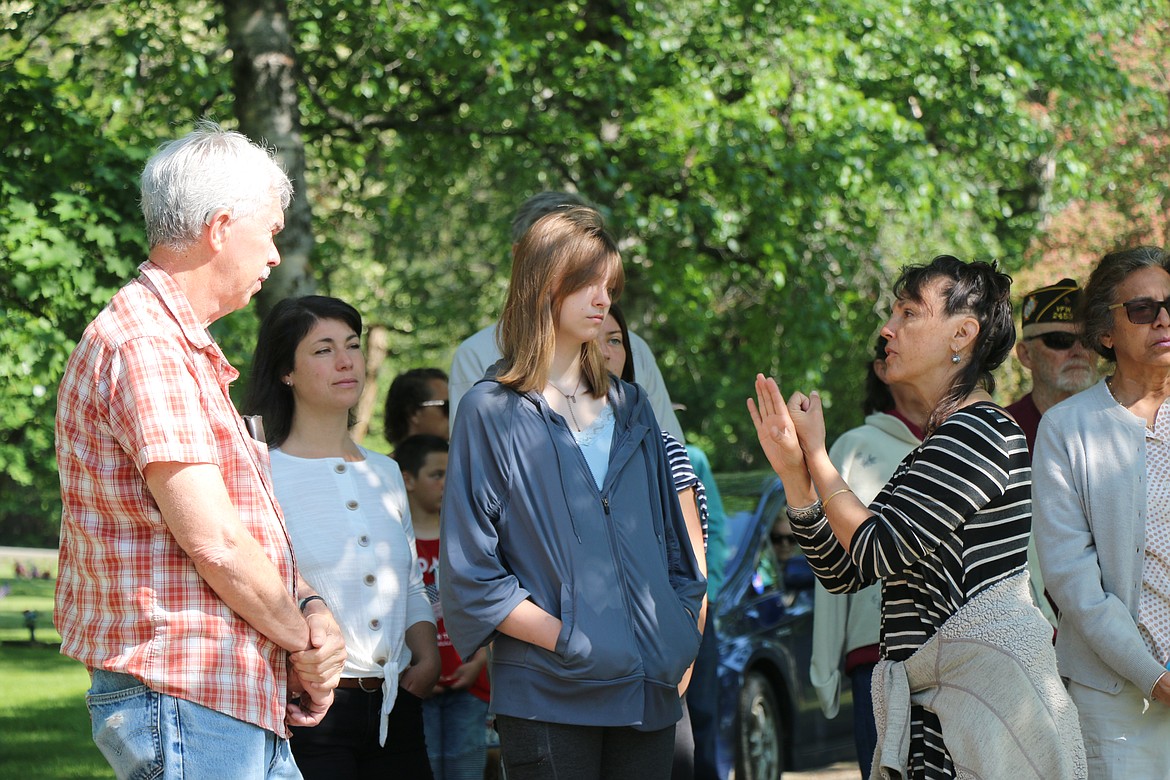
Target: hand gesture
[(307, 704), (775, 429), (809, 418), (319, 665)]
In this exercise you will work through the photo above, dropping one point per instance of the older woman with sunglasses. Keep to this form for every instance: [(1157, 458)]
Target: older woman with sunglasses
[(1102, 466)]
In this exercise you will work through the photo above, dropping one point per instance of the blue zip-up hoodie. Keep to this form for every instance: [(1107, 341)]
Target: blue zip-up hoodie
[(522, 518)]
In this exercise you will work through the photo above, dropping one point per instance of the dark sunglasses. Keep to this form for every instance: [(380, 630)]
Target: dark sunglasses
[(778, 538), (1059, 340), (1143, 312), (446, 405)]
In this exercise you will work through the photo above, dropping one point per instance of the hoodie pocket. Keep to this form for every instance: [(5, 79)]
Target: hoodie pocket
[(672, 636), (593, 644)]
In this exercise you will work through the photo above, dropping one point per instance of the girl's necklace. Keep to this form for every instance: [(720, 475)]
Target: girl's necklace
[(571, 398)]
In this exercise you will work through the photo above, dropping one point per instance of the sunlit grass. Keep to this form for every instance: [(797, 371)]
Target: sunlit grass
[(44, 726), (35, 595)]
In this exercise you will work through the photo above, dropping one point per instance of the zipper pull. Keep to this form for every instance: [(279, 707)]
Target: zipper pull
[(605, 504)]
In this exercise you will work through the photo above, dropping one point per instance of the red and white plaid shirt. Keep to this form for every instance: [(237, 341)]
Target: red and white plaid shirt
[(147, 384)]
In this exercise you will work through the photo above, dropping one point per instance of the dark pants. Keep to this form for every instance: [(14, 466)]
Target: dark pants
[(702, 696), (345, 742), (864, 728), (684, 747), (536, 750)]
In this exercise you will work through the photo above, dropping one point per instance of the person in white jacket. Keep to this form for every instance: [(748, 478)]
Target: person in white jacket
[(846, 626), (480, 350)]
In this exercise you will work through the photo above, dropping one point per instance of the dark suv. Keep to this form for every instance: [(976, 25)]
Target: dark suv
[(769, 718)]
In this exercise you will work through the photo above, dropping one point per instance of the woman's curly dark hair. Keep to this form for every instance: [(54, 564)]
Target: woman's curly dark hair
[(977, 289)]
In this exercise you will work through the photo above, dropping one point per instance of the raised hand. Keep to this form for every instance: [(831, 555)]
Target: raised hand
[(775, 429), (809, 418)]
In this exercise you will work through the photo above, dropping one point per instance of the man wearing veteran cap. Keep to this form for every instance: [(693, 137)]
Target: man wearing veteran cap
[(1051, 349)]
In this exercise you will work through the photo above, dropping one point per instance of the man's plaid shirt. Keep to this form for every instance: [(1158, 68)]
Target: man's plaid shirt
[(148, 384)]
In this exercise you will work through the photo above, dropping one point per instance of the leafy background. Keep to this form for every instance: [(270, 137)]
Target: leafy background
[(767, 167)]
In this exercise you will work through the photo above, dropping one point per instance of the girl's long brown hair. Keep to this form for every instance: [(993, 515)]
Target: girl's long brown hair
[(561, 253)]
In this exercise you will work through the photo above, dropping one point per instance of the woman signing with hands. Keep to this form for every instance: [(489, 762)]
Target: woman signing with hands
[(968, 676)]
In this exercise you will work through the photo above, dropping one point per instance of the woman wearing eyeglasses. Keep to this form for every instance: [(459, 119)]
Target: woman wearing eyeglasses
[(417, 404), (1102, 479)]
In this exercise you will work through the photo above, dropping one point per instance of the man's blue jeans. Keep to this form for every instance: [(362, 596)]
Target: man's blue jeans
[(146, 734)]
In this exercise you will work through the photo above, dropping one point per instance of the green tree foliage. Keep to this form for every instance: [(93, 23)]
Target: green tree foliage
[(65, 244), (767, 167), (75, 128)]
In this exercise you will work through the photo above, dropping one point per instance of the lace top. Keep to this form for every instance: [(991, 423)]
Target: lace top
[(595, 442)]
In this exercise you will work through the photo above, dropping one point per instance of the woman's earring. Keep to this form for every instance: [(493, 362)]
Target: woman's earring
[(955, 358)]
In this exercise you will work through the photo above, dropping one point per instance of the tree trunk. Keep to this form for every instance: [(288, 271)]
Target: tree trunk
[(378, 346), (267, 107)]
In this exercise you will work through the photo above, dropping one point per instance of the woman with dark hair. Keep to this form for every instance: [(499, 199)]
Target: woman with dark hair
[(347, 516), (416, 403), (1102, 474), (692, 497), (615, 344), (846, 627), (967, 680), (562, 541)]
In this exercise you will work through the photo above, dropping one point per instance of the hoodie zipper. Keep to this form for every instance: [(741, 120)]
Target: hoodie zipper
[(610, 533), (610, 537)]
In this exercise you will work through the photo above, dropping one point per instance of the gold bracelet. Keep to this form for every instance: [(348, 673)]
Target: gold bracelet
[(833, 495)]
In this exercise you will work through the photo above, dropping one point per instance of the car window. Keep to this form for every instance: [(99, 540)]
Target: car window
[(735, 531), (766, 576)]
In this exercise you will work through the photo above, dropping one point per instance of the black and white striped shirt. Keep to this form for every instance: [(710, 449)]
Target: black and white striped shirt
[(953, 520), (684, 477)]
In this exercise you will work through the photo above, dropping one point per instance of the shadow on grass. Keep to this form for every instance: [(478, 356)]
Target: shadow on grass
[(44, 725)]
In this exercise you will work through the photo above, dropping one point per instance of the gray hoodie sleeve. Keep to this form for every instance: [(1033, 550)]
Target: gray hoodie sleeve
[(476, 590), (1089, 473)]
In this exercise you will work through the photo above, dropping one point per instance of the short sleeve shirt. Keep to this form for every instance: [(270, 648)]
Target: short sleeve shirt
[(147, 384)]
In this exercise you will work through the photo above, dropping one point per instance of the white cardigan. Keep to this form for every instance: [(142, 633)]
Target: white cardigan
[(1089, 504)]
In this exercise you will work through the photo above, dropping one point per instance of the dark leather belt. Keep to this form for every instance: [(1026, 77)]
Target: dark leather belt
[(367, 684)]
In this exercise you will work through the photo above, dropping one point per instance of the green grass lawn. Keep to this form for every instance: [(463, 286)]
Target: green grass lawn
[(35, 595), (44, 726)]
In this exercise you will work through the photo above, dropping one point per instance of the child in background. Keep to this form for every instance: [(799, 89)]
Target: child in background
[(454, 718)]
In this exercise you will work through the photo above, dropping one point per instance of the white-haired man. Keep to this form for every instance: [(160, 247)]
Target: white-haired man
[(177, 584)]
